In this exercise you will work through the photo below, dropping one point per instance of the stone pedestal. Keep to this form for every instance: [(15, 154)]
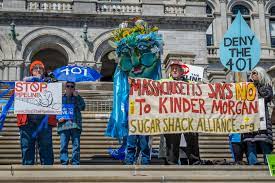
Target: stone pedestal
[(198, 7), (152, 8), (84, 6), (14, 5)]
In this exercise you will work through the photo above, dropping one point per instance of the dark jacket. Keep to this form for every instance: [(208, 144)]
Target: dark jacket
[(76, 122), (265, 92)]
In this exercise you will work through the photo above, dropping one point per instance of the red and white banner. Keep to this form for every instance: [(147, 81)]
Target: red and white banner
[(157, 107)]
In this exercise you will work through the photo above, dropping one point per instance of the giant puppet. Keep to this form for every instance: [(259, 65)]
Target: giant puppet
[(138, 47)]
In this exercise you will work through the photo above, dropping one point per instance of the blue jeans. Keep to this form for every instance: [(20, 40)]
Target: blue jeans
[(44, 140), (252, 151), (135, 142), (65, 136)]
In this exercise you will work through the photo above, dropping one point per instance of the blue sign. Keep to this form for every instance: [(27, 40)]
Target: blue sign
[(240, 50), (67, 112)]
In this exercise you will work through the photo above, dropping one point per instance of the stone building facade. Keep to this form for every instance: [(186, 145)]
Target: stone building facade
[(259, 14), (61, 32)]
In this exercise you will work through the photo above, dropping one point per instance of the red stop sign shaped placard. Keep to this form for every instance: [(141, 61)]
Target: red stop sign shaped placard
[(185, 69)]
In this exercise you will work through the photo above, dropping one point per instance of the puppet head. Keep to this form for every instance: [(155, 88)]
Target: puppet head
[(138, 48)]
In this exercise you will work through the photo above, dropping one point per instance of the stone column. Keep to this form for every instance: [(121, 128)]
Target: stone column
[(257, 26), (25, 69), (6, 73), (217, 29), (1, 70), (12, 73), (263, 35), (223, 16), (267, 28), (19, 68)]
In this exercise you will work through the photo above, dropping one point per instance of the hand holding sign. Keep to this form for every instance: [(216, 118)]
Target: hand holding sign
[(240, 49)]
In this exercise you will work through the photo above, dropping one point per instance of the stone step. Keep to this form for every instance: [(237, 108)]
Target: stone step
[(118, 173)]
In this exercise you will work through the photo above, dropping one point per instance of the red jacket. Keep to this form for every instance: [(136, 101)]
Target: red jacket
[(22, 120)]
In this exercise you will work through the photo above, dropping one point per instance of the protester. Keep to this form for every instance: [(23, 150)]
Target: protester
[(70, 124), (262, 138), (179, 148), (237, 147), (29, 124)]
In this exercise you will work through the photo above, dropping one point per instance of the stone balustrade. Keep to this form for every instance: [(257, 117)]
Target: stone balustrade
[(174, 10), (50, 6), (273, 52), (212, 51), (118, 8)]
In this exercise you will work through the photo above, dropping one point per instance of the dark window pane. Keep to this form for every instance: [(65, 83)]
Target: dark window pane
[(272, 11), (244, 10), (209, 40), (273, 42), (208, 10)]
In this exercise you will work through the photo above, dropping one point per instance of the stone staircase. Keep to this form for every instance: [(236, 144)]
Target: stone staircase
[(94, 145), (98, 166)]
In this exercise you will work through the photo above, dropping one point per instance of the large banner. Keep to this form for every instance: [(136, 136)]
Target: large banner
[(157, 107), (38, 98)]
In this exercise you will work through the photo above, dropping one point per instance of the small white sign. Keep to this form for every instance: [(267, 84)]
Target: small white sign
[(193, 73), (262, 114), (38, 98)]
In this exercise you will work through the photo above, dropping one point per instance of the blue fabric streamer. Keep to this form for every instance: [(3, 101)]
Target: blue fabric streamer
[(5, 111), (118, 122), (43, 124)]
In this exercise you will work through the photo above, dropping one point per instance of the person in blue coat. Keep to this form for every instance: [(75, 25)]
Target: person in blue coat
[(70, 124)]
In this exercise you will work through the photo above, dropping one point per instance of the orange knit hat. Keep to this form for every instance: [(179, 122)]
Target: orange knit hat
[(36, 62)]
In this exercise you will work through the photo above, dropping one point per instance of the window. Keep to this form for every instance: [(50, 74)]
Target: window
[(209, 36), (208, 10), (272, 11), (272, 33), (244, 11)]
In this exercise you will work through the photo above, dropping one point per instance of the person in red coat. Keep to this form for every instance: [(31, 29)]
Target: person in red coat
[(28, 125)]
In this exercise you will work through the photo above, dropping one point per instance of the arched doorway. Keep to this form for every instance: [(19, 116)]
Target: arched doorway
[(52, 58), (108, 66)]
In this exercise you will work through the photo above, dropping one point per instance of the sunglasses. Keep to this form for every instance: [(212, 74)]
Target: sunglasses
[(70, 86), (254, 73)]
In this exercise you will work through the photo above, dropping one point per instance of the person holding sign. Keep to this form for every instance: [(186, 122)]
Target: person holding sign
[(176, 144), (70, 124), (30, 124), (262, 138)]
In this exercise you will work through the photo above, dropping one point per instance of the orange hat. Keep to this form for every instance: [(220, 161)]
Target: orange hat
[(36, 62)]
